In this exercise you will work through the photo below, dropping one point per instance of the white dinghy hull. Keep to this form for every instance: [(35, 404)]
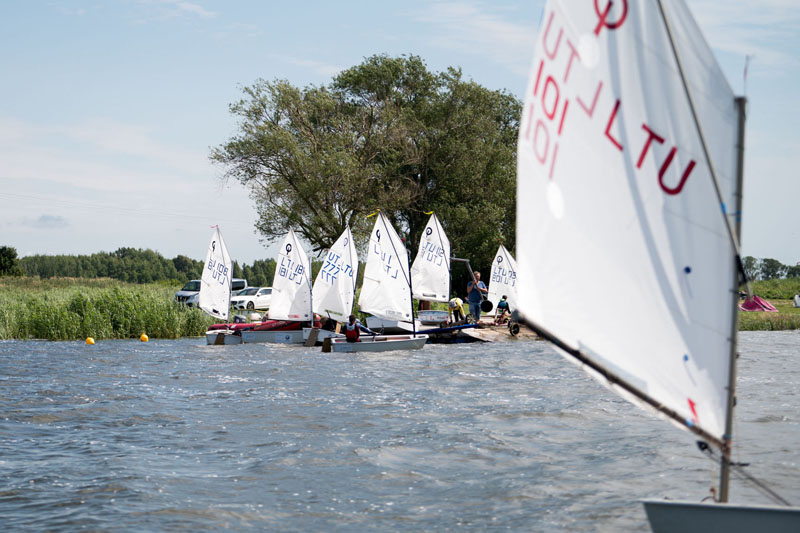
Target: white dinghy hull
[(379, 343), (691, 517), (220, 337), (294, 336)]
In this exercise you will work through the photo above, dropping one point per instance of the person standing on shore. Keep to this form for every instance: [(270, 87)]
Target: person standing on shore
[(475, 289)]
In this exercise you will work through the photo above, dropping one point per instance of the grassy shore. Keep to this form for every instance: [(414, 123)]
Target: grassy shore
[(73, 309), (787, 318)]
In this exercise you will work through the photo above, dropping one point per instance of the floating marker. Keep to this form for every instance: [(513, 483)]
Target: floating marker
[(144, 338), (89, 340)]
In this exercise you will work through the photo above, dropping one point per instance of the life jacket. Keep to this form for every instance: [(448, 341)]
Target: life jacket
[(351, 331)]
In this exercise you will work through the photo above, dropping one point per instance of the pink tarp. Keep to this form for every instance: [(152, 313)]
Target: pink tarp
[(756, 303)]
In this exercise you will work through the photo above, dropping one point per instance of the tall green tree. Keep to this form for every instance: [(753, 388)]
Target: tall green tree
[(9, 263), (751, 267), (772, 269), (386, 134)]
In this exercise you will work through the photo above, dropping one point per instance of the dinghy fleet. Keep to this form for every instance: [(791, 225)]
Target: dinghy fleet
[(303, 312), (625, 103)]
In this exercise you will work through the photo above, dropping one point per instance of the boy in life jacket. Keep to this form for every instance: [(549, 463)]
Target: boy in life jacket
[(502, 311), (352, 330)]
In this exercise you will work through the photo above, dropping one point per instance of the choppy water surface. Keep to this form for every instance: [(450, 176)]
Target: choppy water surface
[(171, 435)]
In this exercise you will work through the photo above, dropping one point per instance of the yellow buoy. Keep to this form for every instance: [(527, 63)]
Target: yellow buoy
[(144, 338), (89, 340)]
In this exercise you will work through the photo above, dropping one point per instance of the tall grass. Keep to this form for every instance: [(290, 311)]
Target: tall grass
[(782, 289), (787, 318), (69, 309)]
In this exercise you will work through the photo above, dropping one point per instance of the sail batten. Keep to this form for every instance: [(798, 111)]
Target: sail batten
[(622, 250)]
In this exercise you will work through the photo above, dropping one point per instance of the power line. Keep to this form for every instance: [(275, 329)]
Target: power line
[(116, 208)]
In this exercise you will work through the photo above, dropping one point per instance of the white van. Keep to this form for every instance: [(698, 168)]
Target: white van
[(189, 293)]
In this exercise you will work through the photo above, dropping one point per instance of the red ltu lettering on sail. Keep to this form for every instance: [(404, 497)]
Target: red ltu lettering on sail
[(692, 406), (603, 17), (610, 122)]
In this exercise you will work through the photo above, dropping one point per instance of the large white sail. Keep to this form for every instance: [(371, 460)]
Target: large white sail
[(616, 204), (215, 283), (291, 287), (503, 279), (430, 272), (385, 292), (335, 285)]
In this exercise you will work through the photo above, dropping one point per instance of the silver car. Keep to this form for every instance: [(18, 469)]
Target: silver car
[(252, 298)]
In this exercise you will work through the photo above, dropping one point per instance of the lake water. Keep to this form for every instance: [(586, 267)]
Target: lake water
[(177, 435)]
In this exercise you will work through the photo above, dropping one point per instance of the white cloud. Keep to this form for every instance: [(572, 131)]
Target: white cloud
[(46, 222), (320, 68), (479, 27), (98, 154), (768, 29), (164, 9)]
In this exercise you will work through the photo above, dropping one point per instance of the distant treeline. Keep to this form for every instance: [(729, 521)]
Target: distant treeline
[(767, 269), (134, 265)]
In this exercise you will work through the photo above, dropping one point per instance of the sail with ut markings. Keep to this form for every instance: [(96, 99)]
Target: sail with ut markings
[(335, 285), (615, 194), (503, 279), (215, 283), (385, 291), (430, 272), (291, 287)]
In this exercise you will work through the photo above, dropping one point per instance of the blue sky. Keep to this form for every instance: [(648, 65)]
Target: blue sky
[(109, 108)]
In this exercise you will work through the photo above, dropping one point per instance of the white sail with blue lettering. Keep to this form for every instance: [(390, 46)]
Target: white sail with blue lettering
[(503, 279), (291, 287), (215, 282), (386, 291), (335, 285), (430, 272)]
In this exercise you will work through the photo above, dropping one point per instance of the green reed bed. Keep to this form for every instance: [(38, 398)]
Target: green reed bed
[(71, 309), (787, 318)]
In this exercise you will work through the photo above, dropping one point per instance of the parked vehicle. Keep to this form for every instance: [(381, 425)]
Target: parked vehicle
[(252, 298), (189, 293)]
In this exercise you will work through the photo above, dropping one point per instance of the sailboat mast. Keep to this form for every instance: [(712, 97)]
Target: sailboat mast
[(411, 296), (734, 233), (725, 462)]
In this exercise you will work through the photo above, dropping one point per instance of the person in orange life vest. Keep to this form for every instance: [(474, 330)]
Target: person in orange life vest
[(352, 330)]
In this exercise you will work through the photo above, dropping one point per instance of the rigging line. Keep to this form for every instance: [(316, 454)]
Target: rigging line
[(738, 468), (614, 379), (731, 234), (49, 201)]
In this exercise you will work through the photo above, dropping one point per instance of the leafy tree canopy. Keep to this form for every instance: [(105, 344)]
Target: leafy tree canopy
[(386, 134), (9, 264)]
